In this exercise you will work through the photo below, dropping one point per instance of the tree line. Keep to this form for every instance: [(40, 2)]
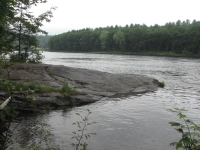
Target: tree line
[(177, 37)]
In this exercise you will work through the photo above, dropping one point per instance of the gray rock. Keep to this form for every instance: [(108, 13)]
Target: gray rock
[(91, 85)]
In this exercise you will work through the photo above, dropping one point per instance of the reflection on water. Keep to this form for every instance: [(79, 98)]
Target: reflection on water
[(136, 122)]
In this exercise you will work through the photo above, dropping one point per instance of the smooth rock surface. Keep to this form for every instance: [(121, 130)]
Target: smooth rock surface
[(91, 85)]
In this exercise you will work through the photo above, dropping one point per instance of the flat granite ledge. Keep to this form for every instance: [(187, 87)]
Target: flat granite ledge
[(91, 85)]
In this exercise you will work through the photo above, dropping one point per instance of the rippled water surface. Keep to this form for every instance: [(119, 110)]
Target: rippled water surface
[(137, 122)]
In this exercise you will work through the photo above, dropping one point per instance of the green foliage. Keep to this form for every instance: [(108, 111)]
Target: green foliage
[(14, 57), (119, 39), (3, 114), (104, 39), (35, 56), (171, 39), (80, 134), (162, 84), (6, 113), (18, 27), (190, 131), (6, 14), (66, 90), (18, 86)]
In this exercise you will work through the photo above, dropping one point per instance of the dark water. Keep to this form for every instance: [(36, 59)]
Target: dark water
[(137, 122)]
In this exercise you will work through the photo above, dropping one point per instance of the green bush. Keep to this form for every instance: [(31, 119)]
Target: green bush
[(14, 57), (162, 84), (190, 132), (34, 56)]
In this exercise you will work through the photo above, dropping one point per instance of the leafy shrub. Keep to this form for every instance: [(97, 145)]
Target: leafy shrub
[(162, 84), (190, 131), (14, 57), (33, 56)]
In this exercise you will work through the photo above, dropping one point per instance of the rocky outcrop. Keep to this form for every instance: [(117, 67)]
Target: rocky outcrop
[(91, 85)]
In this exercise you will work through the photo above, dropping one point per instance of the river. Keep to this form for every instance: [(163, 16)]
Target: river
[(133, 123)]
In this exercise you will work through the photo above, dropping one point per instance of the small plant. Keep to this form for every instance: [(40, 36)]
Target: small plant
[(80, 135), (162, 84), (190, 139), (66, 90)]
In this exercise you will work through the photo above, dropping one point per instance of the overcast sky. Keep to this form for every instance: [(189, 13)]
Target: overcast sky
[(78, 14)]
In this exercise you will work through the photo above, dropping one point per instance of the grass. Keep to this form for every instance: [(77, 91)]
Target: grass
[(65, 90)]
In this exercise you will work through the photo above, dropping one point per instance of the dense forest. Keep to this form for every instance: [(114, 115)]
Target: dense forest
[(177, 37)]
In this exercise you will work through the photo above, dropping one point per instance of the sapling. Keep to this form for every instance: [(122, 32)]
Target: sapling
[(80, 134), (190, 131)]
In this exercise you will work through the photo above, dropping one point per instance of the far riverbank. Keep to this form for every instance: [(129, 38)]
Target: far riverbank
[(152, 53)]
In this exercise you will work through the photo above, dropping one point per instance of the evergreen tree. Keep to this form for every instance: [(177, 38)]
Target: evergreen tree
[(6, 14), (22, 27)]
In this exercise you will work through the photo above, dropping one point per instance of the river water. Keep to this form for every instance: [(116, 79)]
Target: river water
[(133, 123)]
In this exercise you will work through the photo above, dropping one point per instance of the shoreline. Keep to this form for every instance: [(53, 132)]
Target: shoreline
[(160, 54)]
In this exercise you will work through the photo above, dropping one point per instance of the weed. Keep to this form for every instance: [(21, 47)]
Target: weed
[(162, 84), (80, 135), (18, 86), (66, 90)]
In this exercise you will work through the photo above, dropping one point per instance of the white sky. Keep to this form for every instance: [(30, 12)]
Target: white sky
[(79, 14)]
